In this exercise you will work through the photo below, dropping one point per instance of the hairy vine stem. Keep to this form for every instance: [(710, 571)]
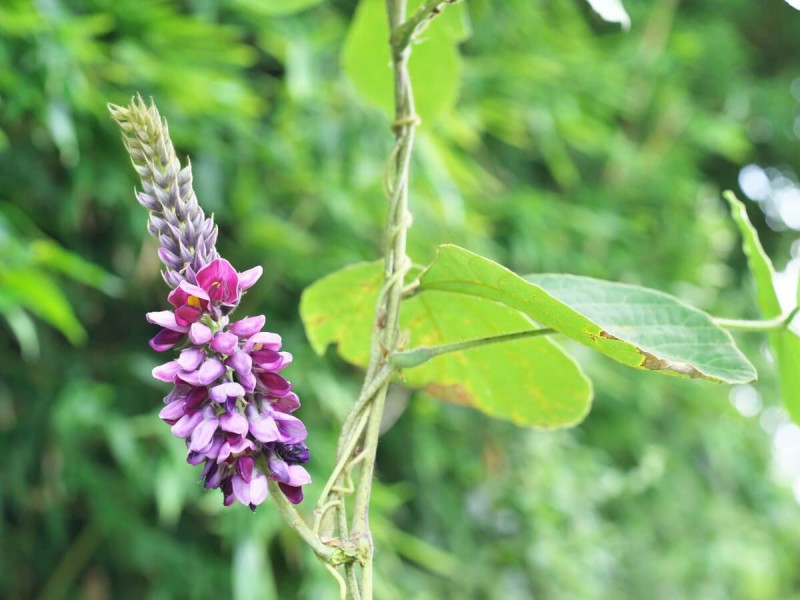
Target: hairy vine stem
[(358, 439)]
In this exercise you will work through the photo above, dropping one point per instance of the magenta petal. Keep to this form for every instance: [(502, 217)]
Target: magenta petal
[(248, 326), (185, 426), (220, 280), (247, 279), (185, 315), (234, 422), (172, 411), (167, 371), (240, 362), (293, 494), (276, 384), (165, 319), (244, 466), (190, 359), (201, 436), (258, 488), (241, 489), (165, 339), (225, 343), (298, 475), (181, 294), (220, 393), (287, 404), (195, 399), (200, 334)]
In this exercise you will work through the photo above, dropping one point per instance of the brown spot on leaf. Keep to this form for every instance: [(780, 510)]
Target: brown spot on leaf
[(607, 336), (454, 393), (653, 363)]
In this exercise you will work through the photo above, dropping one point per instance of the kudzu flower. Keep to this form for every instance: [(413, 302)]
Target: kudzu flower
[(229, 401)]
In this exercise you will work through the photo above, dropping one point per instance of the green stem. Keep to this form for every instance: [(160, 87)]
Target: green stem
[(404, 34), (418, 356), (296, 522), (781, 322)]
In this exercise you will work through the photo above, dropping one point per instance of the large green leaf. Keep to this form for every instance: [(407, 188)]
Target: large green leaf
[(785, 344), (636, 326), (530, 381), (435, 64)]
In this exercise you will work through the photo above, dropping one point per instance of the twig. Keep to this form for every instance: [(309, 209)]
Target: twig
[(403, 35), (418, 356)]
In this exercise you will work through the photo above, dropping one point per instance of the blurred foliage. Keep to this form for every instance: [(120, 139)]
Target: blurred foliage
[(572, 147)]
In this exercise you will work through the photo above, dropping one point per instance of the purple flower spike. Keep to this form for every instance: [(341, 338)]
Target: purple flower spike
[(229, 401)]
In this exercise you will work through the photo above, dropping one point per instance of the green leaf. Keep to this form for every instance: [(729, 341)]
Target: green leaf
[(49, 254), (529, 381), (435, 64), (35, 291), (276, 7), (785, 344), (758, 261), (636, 326)]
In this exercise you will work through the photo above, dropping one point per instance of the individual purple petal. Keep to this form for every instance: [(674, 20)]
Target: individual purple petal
[(244, 467), (179, 392), (239, 444), (213, 475), (258, 489), (227, 491), (291, 428), (201, 436), (195, 458), (286, 404), (165, 339), (248, 381), (265, 430), (248, 278), (208, 372), (293, 494), (278, 468), (220, 280), (240, 362), (194, 400), (220, 393), (276, 384), (172, 411), (269, 360), (167, 371), (190, 359), (241, 489), (298, 476), (247, 326), (185, 426), (233, 422), (264, 339), (200, 334), (165, 319), (224, 343)]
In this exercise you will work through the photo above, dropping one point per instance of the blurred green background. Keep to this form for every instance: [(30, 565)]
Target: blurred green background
[(559, 143)]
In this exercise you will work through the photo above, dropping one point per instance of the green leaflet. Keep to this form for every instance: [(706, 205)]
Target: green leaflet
[(636, 326), (785, 344)]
